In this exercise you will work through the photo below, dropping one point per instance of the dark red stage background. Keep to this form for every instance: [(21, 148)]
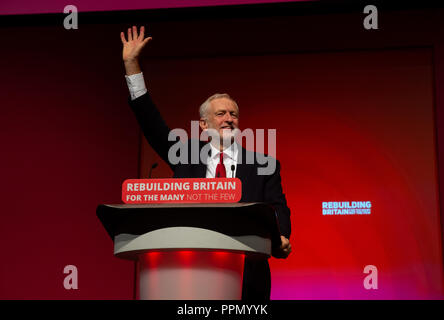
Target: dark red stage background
[(56, 6), (358, 118), (351, 126)]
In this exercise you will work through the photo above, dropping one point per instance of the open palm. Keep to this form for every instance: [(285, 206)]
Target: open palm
[(135, 43)]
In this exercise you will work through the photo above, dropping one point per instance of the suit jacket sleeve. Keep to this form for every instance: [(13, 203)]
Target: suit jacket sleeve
[(274, 195), (153, 125)]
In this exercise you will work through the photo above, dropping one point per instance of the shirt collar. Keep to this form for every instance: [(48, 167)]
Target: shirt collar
[(230, 152)]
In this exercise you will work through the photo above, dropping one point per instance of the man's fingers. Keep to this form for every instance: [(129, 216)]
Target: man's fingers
[(142, 33), (284, 242), (287, 250), (285, 245), (122, 37), (134, 35), (146, 41), (130, 36)]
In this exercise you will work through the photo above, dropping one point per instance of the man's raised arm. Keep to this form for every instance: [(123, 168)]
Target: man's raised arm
[(151, 122)]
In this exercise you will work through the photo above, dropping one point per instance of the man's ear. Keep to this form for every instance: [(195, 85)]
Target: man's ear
[(203, 124)]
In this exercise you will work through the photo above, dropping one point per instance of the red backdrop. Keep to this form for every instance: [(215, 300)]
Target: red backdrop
[(351, 126)]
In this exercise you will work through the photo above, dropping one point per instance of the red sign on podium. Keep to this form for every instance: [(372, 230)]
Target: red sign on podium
[(197, 190)]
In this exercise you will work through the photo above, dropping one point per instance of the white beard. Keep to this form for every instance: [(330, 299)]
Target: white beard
[(227, 139)]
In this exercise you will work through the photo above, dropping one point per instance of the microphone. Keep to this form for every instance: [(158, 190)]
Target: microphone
[(154, 166), (232, 170)]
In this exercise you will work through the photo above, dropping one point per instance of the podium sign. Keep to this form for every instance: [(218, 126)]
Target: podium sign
[(197, 190)]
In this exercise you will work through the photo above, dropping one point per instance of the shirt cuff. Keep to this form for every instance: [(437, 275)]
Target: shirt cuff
[(136, 85)]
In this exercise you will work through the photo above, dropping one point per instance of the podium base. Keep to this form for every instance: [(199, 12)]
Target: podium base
[(190, 275)]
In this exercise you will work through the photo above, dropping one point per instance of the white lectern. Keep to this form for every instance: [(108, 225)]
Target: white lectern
[(191, 251)]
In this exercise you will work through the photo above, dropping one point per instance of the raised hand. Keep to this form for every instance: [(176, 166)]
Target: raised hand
[(132, 48)]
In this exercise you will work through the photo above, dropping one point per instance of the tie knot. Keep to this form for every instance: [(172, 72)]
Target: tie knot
[(221, 157)]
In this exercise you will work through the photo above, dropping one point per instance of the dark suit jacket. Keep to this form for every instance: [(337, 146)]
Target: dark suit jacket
[(255, 188)]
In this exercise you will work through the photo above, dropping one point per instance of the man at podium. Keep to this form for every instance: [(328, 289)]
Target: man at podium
[(220, 114)]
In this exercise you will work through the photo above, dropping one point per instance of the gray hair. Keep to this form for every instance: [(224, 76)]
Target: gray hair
[(203, 110)]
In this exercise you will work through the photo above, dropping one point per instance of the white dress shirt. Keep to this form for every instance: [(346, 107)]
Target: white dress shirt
[(136, 85), (230, 159), (137, 88)]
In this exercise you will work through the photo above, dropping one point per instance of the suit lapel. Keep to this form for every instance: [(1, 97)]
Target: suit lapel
[(200, 170), (243, 170)]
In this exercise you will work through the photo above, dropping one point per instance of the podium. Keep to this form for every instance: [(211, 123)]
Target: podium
[(191, 251)]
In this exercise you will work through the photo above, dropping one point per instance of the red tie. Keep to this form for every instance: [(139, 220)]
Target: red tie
[(220, 169)]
